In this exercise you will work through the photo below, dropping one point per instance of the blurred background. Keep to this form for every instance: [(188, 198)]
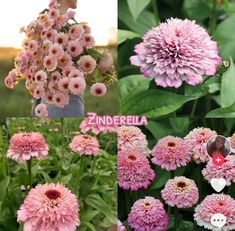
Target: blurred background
[(102, 18)]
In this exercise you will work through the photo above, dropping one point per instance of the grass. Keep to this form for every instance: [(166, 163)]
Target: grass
[(17, 102)]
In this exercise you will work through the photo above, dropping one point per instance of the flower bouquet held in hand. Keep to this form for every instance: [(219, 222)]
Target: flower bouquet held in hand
[(59, 60)]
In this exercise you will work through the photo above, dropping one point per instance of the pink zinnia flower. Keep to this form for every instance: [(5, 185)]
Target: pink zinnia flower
[(210, 206), (46, 45), (148, 214), (132, 137), (40, 76), (98, 89), (176, 51), (10, 80), (134, 171), (88, 41), (41, 110), (60, 99), (56, 76), (75, 73), (53, 13), (49, 35), (56, 51), (38, 92), (62, 39), (48, 96), (85, 145), (49, 207), (180, 192), (105, 63), (24, 146), (63, 85), (71, 14), (120, 227), (87, 64), (76, 31), (65, 61), (77, 85), (226, 170), (74, 48), (197, 139), (96, 128), (86, 28), (32, 46), (50, 63), (171, 153)]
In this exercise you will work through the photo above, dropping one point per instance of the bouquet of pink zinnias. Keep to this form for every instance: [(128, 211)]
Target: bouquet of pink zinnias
[(59, 58)]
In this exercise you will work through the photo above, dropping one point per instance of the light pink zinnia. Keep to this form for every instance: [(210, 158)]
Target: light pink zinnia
[(62, 39), (98, 89), (105, 63), (50, 63), (96, 128), (75, 73), (56, 50), (76, 31), (134, 171), (77, 85), (176, 51), (148, 214), (38, 92), (74, 48), (212, 205), (226, 170), (60, 99), (48, 96), (132, 137), (56, 76), (87, 64), (49, 207), (41, 110), (85, 145), (24, 146), (88, 41), (40, 76), (197, 139), (63, 85), (180, 192), (171, 153)]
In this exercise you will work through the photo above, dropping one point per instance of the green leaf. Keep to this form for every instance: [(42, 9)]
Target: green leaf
[(225, 35), (145, 21), (123, 35), (180, 126), (228, 86), (131, 85), (158, 129), (153, 103), (3, 187), (137, 6), (197, 9), (160, 182), (228, 112)]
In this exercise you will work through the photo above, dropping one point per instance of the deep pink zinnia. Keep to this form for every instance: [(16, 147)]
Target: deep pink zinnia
[(85, 145), (180, 192), (197, 139), (176, 51), (148, 214), (24, 146), (171, 153), (49, 207), (134, 171), (213, 204)]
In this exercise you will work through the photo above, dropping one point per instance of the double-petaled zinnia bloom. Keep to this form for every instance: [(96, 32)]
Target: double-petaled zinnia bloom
[(197, 140), (134, 171), (85, 145), (176, 51), (213, 204), (180, 192), (171, 153), (148, 214), (24, 146), (49, 207)]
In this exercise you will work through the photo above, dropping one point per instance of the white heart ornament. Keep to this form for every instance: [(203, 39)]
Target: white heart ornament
[(218, 184)]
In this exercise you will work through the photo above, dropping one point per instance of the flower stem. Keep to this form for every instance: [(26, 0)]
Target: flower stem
[(176, 218), (29, 167), (79, 173), (212, 23), (128, 201), (93, 165), (194, 108)]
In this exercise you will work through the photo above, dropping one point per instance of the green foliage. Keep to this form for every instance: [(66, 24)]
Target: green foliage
[(91, 179)]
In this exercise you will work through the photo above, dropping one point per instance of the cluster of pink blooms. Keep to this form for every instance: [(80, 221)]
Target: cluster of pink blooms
[(120, 226), (134, 171), (176, 51), (210, 206), (49, 207), (226, 170), (97, 128), (132, 137), (148, 214), (24, 146), (197, 139), (85, 145), (171, 152), (180, 192), (59, 59)]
